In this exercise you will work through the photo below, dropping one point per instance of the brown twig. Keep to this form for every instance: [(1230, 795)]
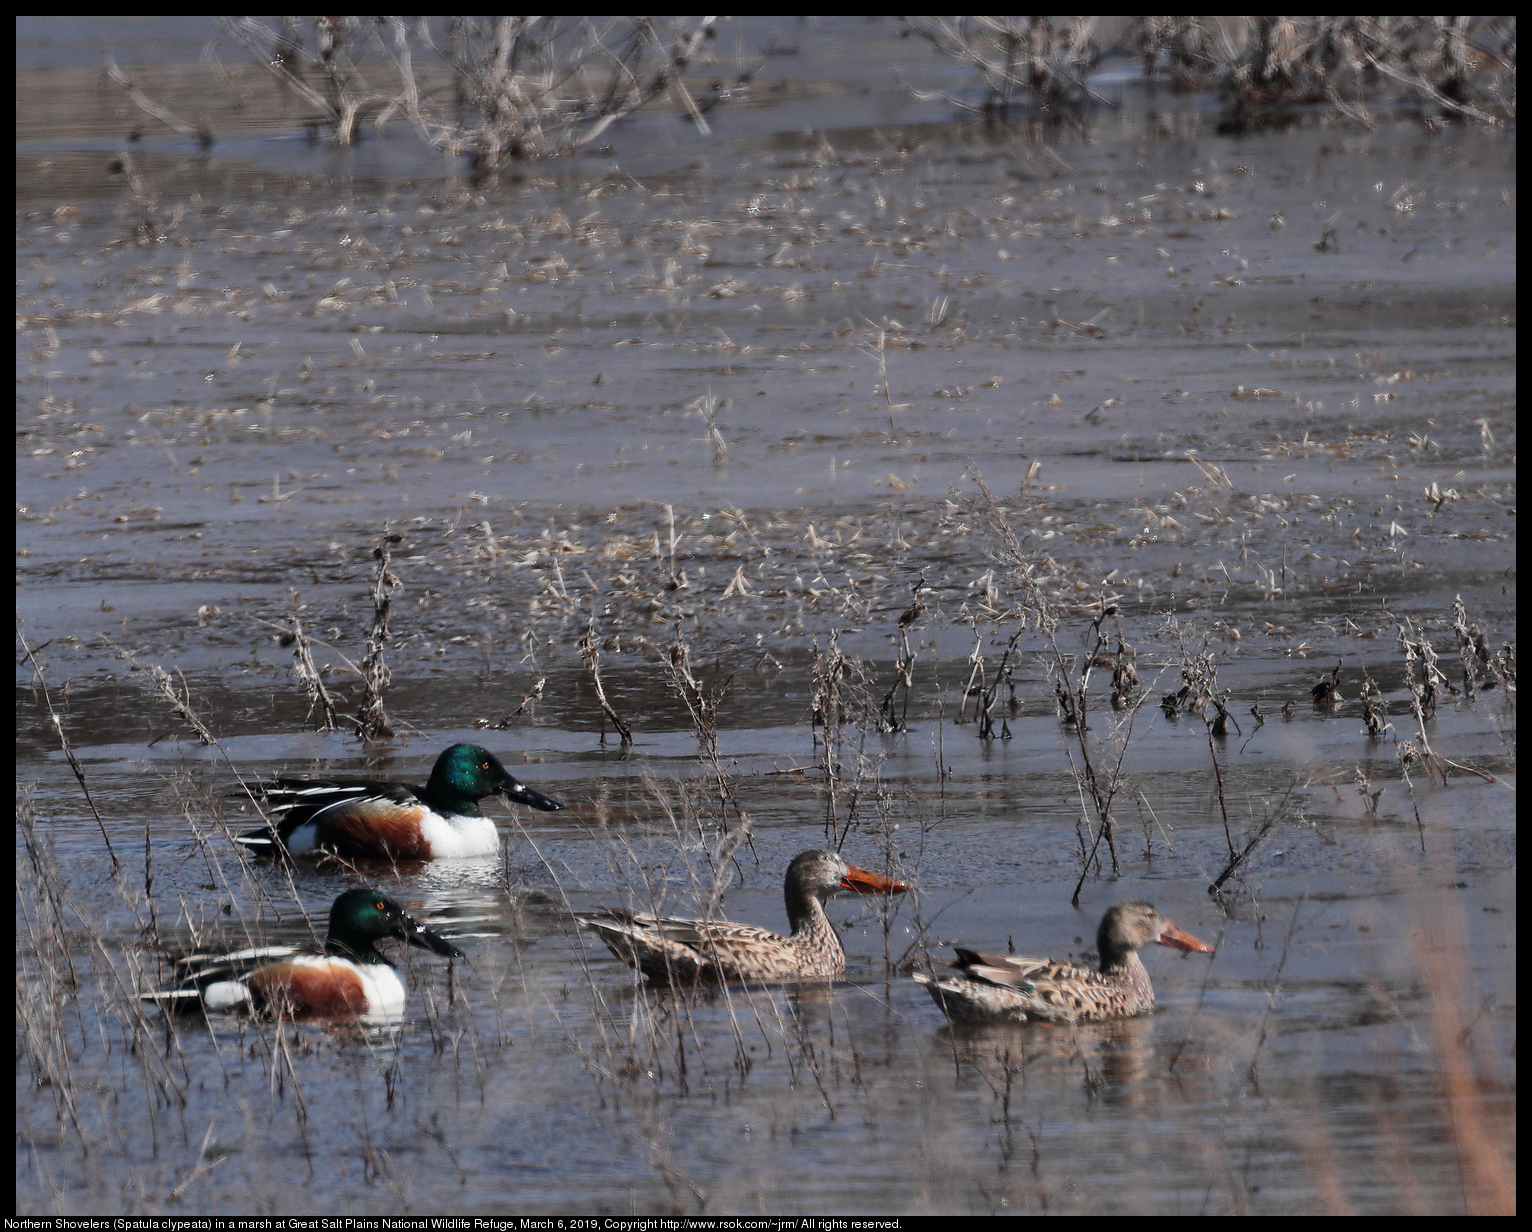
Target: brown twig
[(590, 651)]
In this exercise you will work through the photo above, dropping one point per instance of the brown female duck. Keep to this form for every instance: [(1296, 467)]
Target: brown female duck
[(1013, 989), (671, 950)]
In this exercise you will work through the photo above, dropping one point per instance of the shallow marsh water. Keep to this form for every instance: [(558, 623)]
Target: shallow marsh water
[(1232, 427)]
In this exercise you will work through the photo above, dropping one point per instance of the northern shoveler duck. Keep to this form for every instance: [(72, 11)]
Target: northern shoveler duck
[(684, 951), (360, 818), (1013, 989), (347, 977)]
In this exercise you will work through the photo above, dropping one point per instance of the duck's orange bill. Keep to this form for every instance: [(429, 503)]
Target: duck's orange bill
[(1183, 941), (864, 882)]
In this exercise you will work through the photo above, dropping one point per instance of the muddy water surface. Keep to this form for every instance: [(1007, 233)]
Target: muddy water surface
[(1256, 394)]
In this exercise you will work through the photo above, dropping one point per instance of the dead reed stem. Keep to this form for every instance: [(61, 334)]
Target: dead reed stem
[(372, 723), (308, 673), (702, 704), (58, 726), (904, 667), (590, 652), (1273, 995)]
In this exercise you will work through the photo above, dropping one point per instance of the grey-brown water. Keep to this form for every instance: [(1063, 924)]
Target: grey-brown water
[(1257, 394)]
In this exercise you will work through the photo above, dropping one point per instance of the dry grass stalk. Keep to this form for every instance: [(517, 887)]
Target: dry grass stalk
[(590, 652), (1473, 650), (57, 720), (904, 667), (975, 685), (1469, 1070), (707, 406), (677, 579), (1423, 679), (372, 723), (1124, 676), (526, 703), (161, 684), (1254, 839), (1273, 995), (734, 821), (989, 695), (841, 699), (308, 673), (1374, 709)]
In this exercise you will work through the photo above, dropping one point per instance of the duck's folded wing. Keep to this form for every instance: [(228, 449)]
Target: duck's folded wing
[(1014, 970), (230, 962), (294, 803), (682, 931), (642, 945), (719, 934), (212, 979), (358, 818), (297, 802)]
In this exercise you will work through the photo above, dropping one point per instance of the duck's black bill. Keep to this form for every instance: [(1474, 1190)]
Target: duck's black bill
[(522, 794), (419, 934)]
